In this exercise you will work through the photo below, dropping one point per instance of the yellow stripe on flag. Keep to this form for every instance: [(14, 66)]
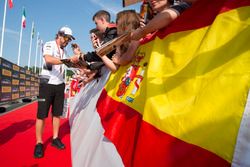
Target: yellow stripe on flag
[(192, 84), (198, 90)]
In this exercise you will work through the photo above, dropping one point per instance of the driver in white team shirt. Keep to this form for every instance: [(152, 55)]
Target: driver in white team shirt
[(51, 88)]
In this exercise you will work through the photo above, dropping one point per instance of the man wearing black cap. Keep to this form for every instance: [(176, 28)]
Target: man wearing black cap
[(51, 88)]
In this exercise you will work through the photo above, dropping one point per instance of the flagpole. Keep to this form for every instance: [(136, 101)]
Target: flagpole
[(31, 34), (20, 41), (41, 48), (3, 29), (37, 38)]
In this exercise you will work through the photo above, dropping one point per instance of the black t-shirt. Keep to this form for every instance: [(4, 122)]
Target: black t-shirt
[(180, 6), (109, 34)]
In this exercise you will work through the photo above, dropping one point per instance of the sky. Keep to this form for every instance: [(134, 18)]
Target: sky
[(48, 16)]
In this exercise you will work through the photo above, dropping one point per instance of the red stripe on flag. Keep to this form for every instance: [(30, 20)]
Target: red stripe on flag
[(121, 123), (140, 144), (198, 16), (156, 148), (24, 23)]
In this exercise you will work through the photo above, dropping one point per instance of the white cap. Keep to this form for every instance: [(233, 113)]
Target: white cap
[(66, 31)]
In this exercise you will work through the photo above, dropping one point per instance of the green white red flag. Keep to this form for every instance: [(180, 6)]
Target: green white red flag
[(24, 19)]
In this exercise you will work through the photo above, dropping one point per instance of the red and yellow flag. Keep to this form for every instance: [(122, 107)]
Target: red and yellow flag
[(181, 101)]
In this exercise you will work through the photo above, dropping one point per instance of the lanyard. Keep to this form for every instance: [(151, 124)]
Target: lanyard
[(61, 55), (59, 50)]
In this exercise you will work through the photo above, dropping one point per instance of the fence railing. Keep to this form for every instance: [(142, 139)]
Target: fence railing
[(16, 82)]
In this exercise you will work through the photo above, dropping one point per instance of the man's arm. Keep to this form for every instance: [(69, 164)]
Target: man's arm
[(161, 20), (48, 54), (91, 57), (52, 60)]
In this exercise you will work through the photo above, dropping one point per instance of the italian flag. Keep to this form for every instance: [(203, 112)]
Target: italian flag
[(183, 101), (10, 3), (24, 19)]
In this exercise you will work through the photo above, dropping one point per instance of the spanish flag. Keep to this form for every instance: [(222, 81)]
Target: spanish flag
[(183, 99)]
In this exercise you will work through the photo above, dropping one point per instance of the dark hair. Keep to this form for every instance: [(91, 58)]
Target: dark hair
[(97, 33), (102, 13), (93, 30), (60, 33), (74, 45)]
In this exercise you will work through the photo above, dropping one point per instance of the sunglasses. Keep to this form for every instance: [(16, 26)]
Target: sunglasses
[(67, 38)]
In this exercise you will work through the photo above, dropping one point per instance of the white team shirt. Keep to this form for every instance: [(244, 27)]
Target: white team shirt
[(57, 73)]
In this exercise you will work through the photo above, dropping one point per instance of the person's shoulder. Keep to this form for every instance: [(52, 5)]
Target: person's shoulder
[(111, 27), (111, 30), (50, 43), (49, 46)]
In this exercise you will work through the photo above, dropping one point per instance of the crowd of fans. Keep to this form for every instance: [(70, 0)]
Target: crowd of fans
[(160, 13), (154, 15)]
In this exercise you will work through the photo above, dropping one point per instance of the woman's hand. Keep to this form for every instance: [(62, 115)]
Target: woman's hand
[(74, 59), (117, 56)]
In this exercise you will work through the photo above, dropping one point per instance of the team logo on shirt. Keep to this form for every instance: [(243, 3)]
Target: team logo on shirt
[(47, 47)]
